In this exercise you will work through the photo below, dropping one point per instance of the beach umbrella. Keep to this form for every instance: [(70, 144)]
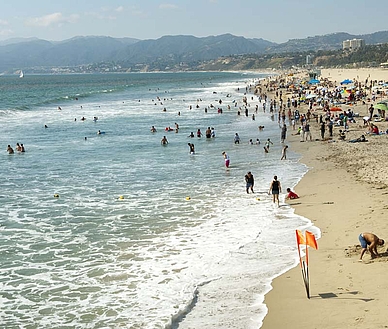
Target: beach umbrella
[(381, 106), (346, 82), (335, 109), (314, 81)]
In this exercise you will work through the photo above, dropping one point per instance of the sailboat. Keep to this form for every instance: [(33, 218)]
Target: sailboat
[(21, 75)]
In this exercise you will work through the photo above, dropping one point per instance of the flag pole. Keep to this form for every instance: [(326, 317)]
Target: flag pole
[(307, 283), (299, 236)]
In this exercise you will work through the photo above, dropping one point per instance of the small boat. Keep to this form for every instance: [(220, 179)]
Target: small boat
[(21, 75)]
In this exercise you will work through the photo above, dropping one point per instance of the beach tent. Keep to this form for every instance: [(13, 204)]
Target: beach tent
[(346, 82)]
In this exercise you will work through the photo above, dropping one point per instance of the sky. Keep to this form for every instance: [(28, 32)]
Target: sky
[(273, 20)]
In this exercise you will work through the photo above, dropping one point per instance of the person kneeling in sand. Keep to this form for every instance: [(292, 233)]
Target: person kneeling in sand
[(291, 195), (371, 240)]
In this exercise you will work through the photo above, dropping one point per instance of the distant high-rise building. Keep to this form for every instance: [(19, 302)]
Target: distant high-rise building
[(353, 44)]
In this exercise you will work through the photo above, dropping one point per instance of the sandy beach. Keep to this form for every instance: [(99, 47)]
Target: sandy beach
[(344, 194)]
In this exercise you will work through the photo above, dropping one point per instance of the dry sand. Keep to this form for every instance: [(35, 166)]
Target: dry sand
[(345, 193)]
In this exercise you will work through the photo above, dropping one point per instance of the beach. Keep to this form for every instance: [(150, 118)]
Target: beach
[(344, 194)]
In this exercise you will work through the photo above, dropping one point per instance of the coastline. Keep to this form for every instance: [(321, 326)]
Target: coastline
[(344, 292)]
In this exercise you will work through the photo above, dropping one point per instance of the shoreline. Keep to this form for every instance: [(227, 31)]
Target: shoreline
[(344, 293)]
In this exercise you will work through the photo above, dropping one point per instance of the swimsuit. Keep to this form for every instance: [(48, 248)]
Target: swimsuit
[(363, 242), (275, 187)]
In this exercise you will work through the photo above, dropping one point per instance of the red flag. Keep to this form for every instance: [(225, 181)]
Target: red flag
[(299, 238), (310, 240)]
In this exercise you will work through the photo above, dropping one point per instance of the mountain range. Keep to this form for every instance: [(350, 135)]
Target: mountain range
[(16, 54)]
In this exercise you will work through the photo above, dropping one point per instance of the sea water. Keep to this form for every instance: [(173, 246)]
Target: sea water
[(115, 230)]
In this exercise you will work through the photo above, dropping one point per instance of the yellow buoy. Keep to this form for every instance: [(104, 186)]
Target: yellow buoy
[(56, 195), (121, 197), (188, 198)]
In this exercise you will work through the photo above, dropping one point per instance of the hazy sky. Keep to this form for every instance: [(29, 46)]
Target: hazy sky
[(273, 20)]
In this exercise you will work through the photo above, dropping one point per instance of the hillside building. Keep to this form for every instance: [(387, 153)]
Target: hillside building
[(353, 44)]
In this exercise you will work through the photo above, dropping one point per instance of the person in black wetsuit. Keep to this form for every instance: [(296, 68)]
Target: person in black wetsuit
[(275, 188), (250, 181)]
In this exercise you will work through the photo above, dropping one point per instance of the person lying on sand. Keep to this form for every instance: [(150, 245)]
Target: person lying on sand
[(359, 139)]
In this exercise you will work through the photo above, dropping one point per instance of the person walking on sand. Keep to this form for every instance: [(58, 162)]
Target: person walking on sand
[(371, 240), (226, 158), (250, 182), (275, 188)]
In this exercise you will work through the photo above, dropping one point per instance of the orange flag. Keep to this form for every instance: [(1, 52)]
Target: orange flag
[(310, 240), (299, 238)]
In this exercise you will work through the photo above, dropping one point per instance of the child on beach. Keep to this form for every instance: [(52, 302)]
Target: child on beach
[(291, 195)]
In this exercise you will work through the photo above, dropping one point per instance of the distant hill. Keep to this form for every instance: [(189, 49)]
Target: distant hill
[(167, 51), (327, 42), (183, 48)]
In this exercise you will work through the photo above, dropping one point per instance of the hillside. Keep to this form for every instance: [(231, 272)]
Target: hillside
[(181, 52)]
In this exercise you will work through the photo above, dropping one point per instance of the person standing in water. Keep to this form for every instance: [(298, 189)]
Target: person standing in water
[(274, 189), (267, 145), (250, 182), (226, 158), (191, 146), (284, 153), (164, 141)]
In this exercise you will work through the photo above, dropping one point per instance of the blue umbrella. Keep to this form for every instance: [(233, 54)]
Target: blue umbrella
[(313, 81), (346, 82)]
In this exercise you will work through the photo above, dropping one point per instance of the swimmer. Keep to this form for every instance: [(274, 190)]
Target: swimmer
[(164, 141), (153, 129), (10, 149)]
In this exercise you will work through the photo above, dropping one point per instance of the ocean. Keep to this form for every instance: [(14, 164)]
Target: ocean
[(115, 230)]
